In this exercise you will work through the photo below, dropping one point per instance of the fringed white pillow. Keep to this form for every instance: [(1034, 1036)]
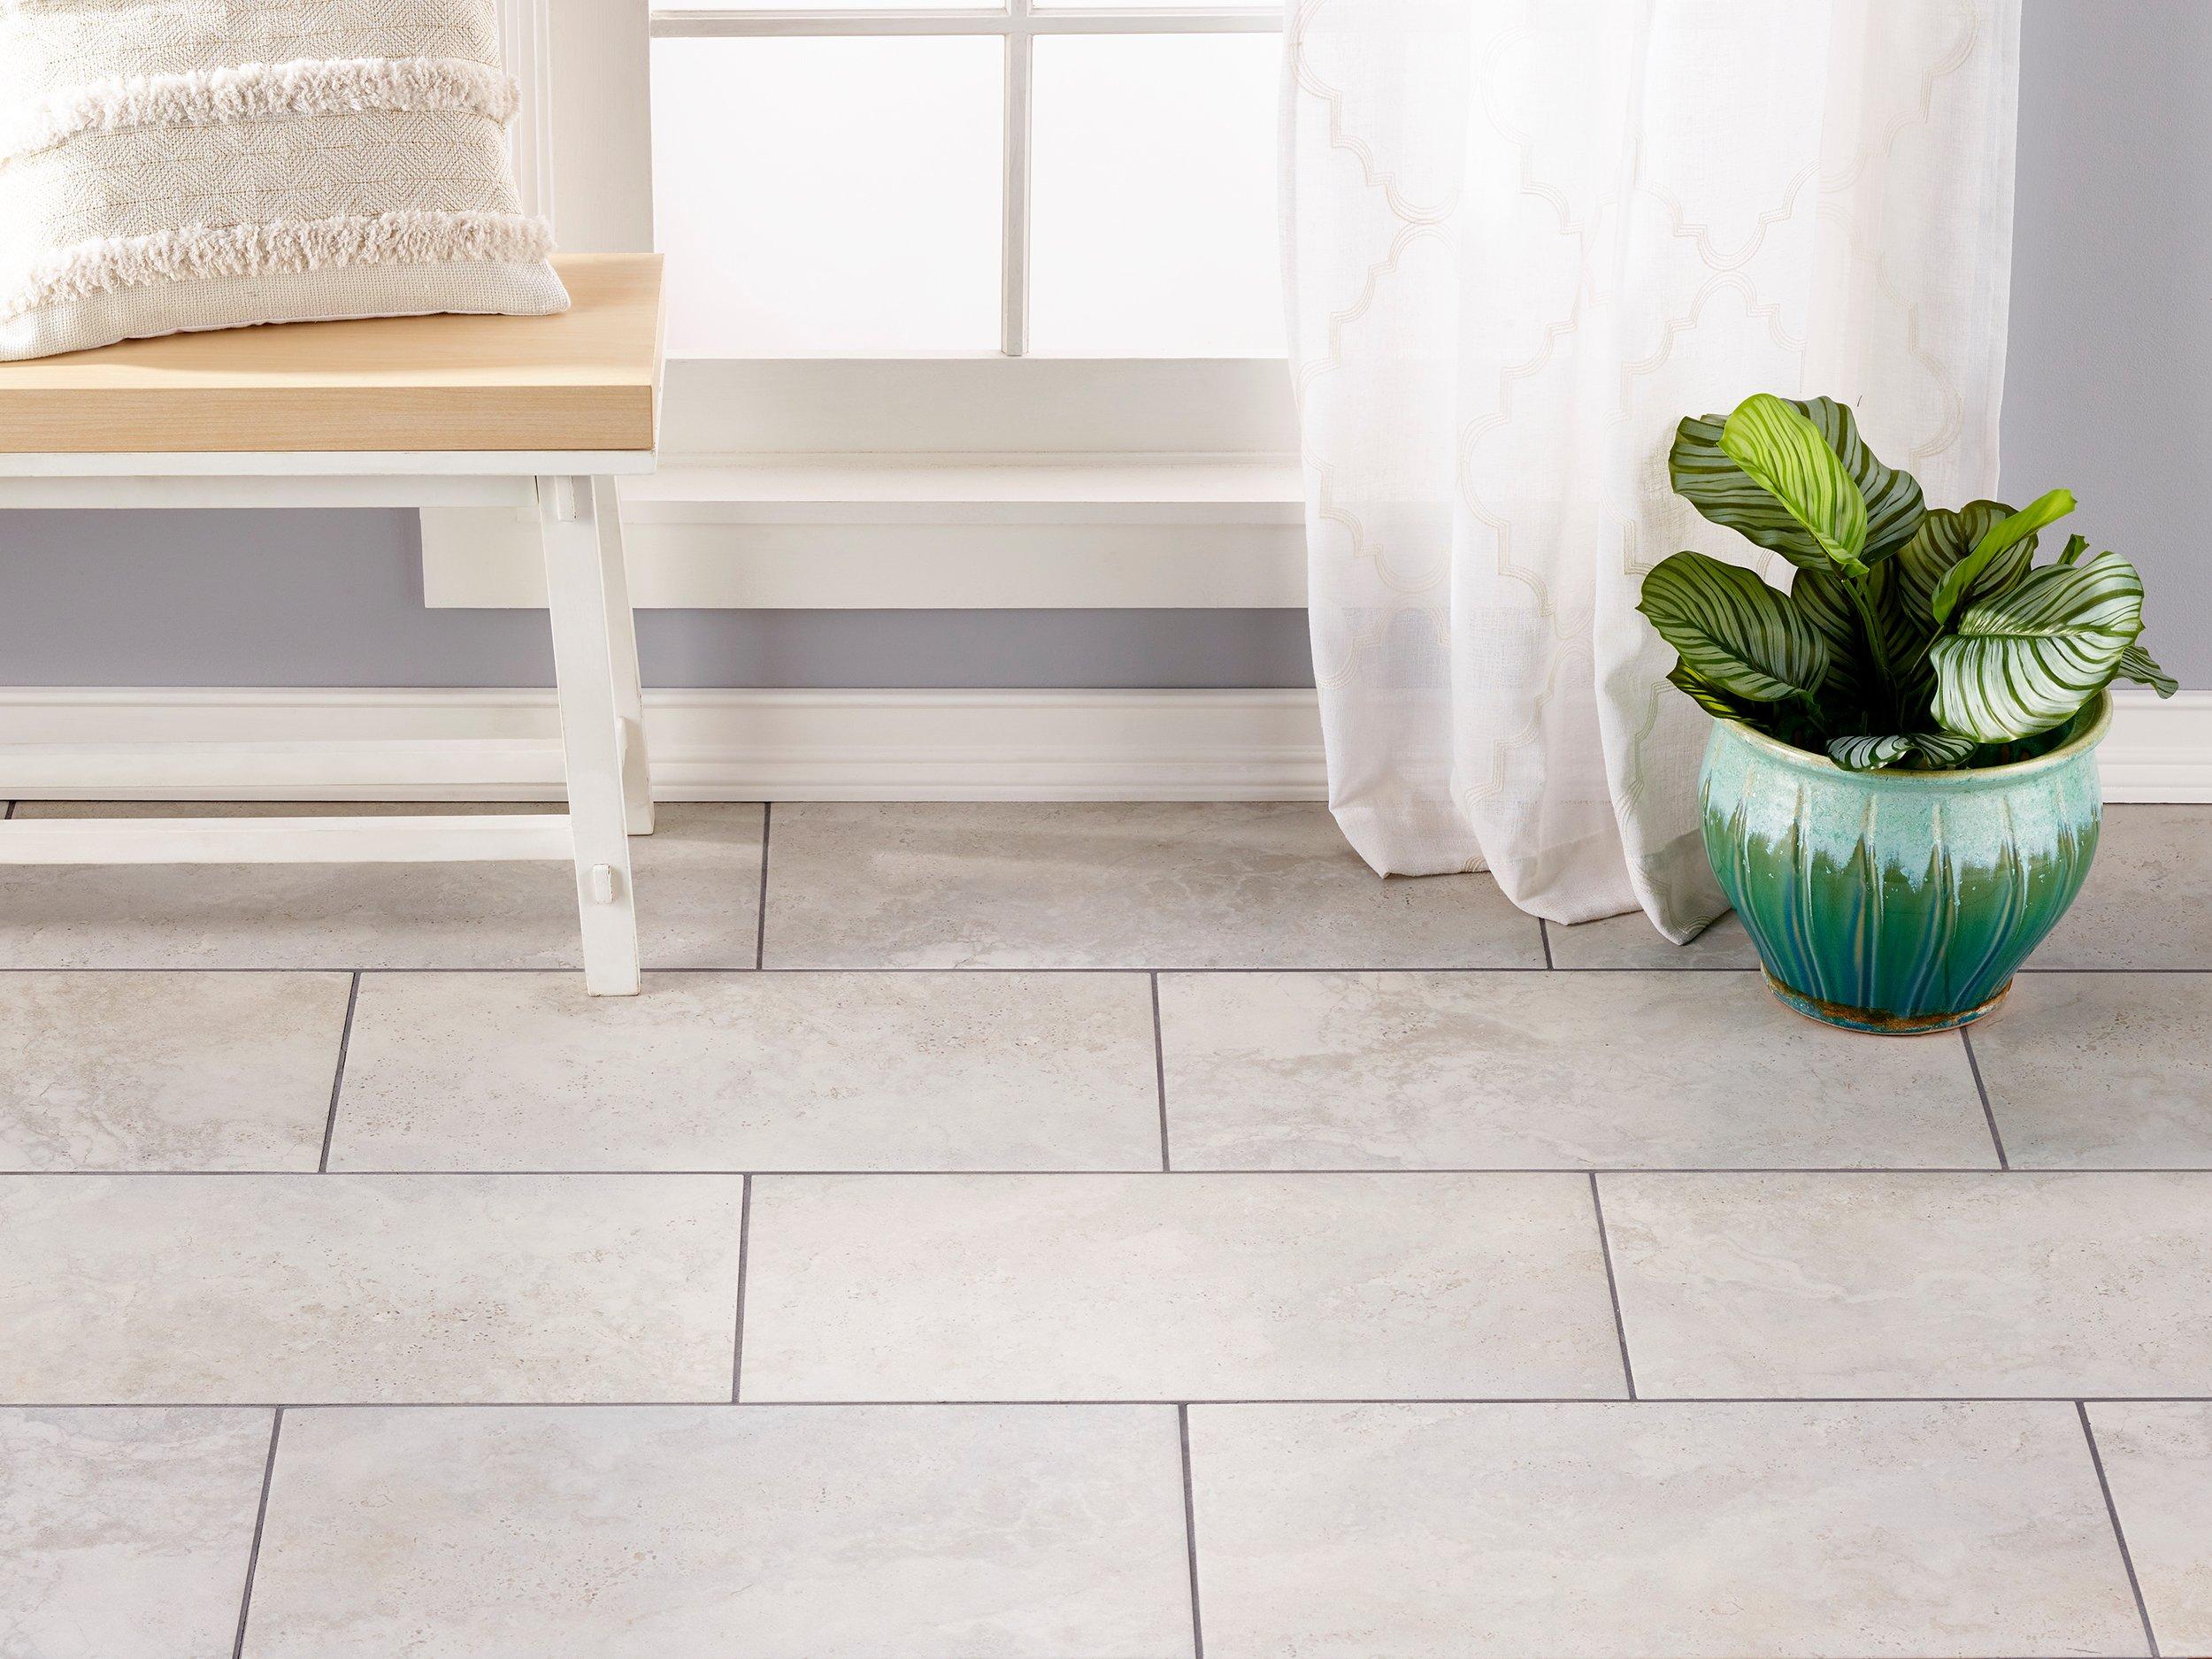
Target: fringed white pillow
[(174, 164)]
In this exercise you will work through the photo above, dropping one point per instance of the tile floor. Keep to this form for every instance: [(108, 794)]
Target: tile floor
[(1192, 1247)]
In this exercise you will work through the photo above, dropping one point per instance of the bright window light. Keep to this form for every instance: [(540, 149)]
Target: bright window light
[(829, 195)]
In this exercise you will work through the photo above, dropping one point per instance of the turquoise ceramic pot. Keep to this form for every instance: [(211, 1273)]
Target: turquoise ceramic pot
[(1899, 902)]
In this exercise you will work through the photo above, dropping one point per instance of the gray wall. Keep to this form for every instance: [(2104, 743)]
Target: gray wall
[(2111, 359)]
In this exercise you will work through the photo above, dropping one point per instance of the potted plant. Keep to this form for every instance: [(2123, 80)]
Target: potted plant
[(1900, 792)]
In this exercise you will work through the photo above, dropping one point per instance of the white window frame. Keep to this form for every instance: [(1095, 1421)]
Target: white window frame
[(980, 480)]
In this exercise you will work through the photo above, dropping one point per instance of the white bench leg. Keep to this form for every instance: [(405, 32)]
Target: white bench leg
[(629, 699), (578, 552)]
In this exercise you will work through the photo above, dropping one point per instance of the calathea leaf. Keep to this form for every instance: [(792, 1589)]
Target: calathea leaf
[(2076, 544), (1851, 684), (1733, 630), (1783, 452), (2026, 660), (1893, 503), (1704, 475), (1945, 537), (1788, 721), (1995, 542), (1912, 751), (2136, 664), (1708, 697)]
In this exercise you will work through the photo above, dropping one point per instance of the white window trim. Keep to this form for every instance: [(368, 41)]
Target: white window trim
[(988, 480)]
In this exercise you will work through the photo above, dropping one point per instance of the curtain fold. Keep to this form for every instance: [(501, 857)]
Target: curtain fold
[(1522, 238)]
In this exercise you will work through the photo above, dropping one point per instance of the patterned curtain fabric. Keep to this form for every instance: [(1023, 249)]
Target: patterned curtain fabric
[(1524, 238)]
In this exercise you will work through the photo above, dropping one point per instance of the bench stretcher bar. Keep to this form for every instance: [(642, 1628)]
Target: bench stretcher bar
[(497, 837)]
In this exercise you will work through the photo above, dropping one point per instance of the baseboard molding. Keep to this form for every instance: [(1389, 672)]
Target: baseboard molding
[(337, 745), (2158, 751)]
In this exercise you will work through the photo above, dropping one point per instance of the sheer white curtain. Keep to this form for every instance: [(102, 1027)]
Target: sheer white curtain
[(1524, 238)]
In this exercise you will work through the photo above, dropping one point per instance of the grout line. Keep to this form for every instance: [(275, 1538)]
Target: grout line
[(338, 1078), (1190, 1533), (1612, 1290), (1543, 932), (1041, 967), (1989, 1115), (968, 969), (260, 1519), (1642, 1403), (744, 1261), (1159, 1075), (1347, 1168), (2096, 1462), (760, 934)]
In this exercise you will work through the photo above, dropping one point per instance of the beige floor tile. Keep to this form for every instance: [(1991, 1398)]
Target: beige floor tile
[(1632, 941), (1396, 1070), (2113, 1071), (130, 1070), (746, 1071), (1128, 885), (1176, 1287), (221, 1289), (2158, 1456), (125, 1534), (698, 885), (1750, 1286), (1620, 1532), (701, 1533), (2147, 902)]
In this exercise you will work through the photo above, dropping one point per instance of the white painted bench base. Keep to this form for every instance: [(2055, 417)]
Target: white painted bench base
[(596, 669)]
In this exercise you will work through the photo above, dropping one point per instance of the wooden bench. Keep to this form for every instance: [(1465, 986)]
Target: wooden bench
[(537, 414)]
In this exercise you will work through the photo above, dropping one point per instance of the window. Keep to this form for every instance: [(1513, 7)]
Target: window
[(931, 182), (967, 307)]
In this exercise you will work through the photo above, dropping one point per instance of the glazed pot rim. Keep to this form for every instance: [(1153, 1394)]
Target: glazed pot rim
[(2090, 725)]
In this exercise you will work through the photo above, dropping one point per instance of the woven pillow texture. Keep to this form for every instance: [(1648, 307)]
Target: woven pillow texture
[(176, 164)]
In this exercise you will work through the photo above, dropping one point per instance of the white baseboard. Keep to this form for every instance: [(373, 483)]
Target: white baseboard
[(2159, 750), (103, 744)]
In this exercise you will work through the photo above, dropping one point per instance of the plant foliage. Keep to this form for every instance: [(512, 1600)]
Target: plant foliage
[(1912, 638)]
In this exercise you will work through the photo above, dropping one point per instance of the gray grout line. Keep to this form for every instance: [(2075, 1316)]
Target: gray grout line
[(1120, 967), (1543, 932), (338, 1077), (1190, 1535), (2119, 1536), (1612, 1289), (1989, 1113), (1639, 1404), (760, 922), (260, 1519), (1159, 1076), (1059, 1174), (744, 1261)]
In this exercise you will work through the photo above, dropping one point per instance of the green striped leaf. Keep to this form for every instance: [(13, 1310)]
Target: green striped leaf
[(1853, 687), (1731, 630), (1851, 684), (1996, 543), (1912, 751), (2026, 660), (1943, 539), (2137, 664), (1705, 476), (1783, 452), (1707, 696)]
